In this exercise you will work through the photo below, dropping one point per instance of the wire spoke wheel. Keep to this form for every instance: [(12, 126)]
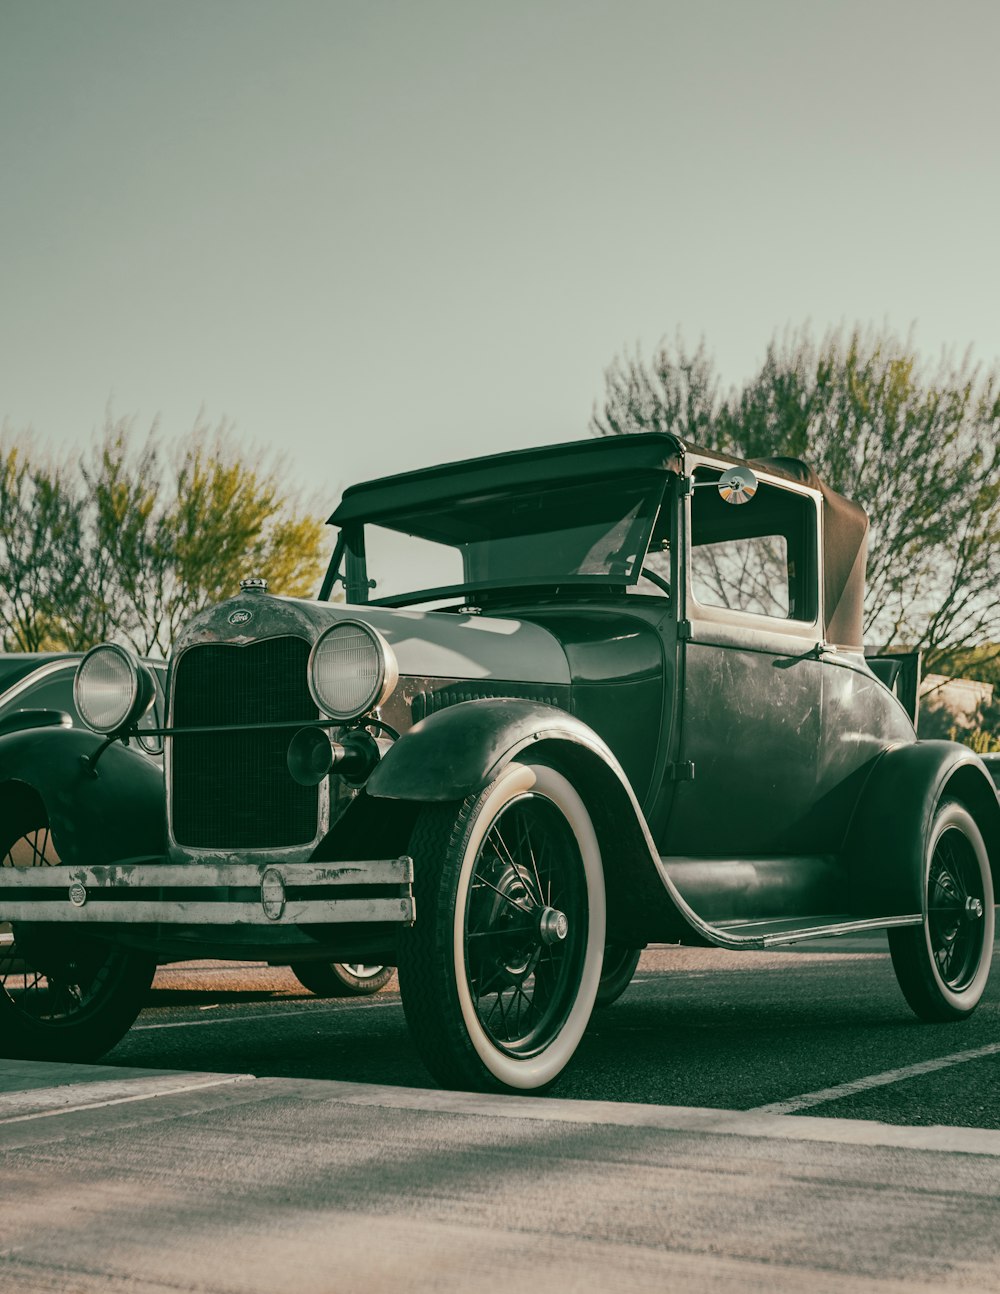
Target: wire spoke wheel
[(526, 919), (341, 979), (943, 965), (62, 995), (955, 925), (500, 972), (50, 988)]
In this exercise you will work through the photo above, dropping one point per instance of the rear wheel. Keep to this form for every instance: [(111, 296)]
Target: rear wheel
[(943, 964), (341, 979), (500, 972), (616, 974), (63, 995)]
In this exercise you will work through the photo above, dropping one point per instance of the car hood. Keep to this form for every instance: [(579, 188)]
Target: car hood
[(428, 644)]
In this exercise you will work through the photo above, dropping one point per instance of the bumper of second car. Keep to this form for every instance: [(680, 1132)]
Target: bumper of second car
[(150, 890)]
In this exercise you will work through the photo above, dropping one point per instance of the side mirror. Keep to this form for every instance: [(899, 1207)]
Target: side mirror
[(738, 485)]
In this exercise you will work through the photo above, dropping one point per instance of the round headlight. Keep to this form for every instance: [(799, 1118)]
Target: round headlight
[(111, 688), (352, 669)]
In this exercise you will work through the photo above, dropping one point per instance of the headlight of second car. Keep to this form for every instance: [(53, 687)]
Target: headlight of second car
[(111, 689), (352, 669)]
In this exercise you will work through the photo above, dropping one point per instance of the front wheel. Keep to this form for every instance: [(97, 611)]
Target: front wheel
[(341, 979), (500, 972), (943, 964), (63, 995)]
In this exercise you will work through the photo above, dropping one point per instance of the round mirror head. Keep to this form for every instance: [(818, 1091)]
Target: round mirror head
[(738, 485)]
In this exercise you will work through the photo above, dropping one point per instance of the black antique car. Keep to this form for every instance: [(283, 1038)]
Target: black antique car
[(574, 700)]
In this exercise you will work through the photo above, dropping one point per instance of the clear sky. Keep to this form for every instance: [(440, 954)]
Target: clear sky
[(378, 235)]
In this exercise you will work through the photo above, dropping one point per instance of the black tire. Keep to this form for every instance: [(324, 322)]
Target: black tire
[(341, 979), (500, 972), (616, 974), (943, 964), (63, 995)]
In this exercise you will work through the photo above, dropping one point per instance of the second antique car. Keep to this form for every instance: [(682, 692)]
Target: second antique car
[(576, 699), (36, 691)]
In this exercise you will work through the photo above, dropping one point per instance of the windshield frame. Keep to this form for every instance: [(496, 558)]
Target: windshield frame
[(348, 566)]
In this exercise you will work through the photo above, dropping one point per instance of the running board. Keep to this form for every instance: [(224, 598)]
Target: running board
[(774, 934)]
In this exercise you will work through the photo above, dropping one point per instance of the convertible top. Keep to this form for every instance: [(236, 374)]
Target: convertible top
[(845, 551), (512, 472), (845, 524)]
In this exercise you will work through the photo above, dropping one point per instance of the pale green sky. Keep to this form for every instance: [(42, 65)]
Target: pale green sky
[(378, 235)]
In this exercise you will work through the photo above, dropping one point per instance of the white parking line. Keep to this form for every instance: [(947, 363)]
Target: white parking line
[(45, 1102), (809, 1099), (667, 1118), (69, 1098), (306, 1010)]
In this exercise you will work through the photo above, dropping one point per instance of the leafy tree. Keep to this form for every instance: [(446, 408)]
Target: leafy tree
[(917, 446), (134, 539), (41, 562)]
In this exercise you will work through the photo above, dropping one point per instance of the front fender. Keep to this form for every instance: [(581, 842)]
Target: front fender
[(459, 750), (117, 812), (887, 837)]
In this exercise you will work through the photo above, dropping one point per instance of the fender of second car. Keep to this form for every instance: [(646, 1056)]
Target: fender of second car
[(885, 849), (96, 815)]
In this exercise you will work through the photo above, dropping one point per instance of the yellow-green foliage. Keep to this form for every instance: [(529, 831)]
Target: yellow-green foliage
[(130, 542)]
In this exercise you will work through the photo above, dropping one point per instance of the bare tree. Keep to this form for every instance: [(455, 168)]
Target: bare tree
[(917, 446)]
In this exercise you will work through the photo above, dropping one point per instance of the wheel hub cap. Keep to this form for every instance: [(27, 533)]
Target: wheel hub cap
[(553, 925), (973, 908)]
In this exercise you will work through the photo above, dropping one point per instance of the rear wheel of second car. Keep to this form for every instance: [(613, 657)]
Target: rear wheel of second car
[(500, 972)]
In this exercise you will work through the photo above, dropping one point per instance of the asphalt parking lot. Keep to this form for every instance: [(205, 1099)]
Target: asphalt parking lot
[(697, 1027), (735, 1122)]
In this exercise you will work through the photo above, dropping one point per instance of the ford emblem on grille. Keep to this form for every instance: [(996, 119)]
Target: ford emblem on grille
[(240, 617)]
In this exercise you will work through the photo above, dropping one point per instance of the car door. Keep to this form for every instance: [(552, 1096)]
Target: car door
[(752, 681)]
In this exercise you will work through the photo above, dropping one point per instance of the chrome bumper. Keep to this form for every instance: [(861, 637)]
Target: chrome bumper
[(261, 894)]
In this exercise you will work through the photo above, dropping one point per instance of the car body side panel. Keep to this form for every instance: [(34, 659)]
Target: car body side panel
[(861, 720), (118, 812), (621, 679), (751, 732)]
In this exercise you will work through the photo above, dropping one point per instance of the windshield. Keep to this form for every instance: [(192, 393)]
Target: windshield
[(569, 533)]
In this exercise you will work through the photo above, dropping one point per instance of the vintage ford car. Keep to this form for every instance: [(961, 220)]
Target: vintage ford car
[(573, 700)]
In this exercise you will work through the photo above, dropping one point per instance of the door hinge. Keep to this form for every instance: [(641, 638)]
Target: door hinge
[(683, 631), (682, 772)]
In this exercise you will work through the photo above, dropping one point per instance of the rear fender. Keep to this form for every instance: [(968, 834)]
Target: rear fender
[(887, 837), (118, 811)]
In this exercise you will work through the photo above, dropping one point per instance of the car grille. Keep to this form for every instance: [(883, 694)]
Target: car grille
[(232, 790)]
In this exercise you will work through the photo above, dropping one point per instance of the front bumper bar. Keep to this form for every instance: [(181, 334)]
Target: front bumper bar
[(261, 894)]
